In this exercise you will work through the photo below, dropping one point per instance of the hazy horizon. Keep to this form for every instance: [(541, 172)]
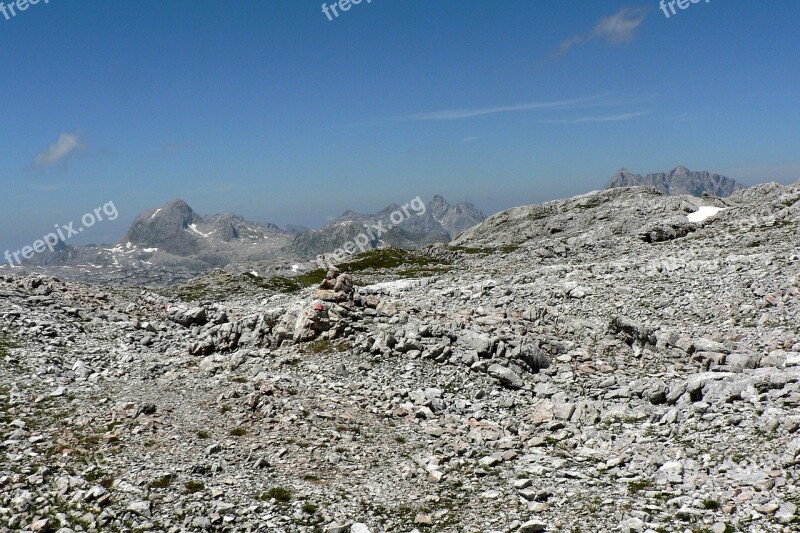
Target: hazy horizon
[(278, 114)]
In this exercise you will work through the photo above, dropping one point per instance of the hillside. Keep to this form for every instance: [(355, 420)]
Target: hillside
[(595, 360)]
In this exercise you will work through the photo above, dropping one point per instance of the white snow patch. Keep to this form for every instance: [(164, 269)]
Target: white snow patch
[(255, 273), (150, 250), (295, 268), (391, 287), (154, 214), (703, 213), (193, 227), (128, 245)]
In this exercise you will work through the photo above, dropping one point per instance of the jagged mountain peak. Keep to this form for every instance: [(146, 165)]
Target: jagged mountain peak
[(679, 180), (438, 200), (163, 228), (438, 222), (175, 234), (679, 170)]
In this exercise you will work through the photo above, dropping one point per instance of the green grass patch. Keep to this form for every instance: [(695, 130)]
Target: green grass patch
[(326, 346), (711, 505), (279, 494), (504, 249), (194, 486), (284, 284), (388, 258), (6, 344), (161, 483), (539, 215), (509, 248), (470, 250), (221, 285), (635, 487), (95, 474)]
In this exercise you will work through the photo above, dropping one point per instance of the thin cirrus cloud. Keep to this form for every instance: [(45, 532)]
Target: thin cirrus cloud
[(67, 145), (172, 148), (607, 118), (619, 28), (458, 114)]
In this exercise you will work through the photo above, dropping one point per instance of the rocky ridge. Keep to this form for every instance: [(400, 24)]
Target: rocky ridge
[(173, 243), (434, 222), (679, 180)]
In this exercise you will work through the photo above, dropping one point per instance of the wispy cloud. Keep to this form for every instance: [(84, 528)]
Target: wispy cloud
[(457, 114), (171, 148), (618, 28), (684, 117), (607, 118), (67, 145)]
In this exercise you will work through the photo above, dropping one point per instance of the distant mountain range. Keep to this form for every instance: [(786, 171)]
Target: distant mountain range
[(440, 222), (175, 236), (680, 180)]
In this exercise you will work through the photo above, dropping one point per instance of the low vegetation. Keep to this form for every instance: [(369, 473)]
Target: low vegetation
[(6, 344), (279, 494), (162, 483), (221, 284), (504, 249), (194, 486), (325, 346)]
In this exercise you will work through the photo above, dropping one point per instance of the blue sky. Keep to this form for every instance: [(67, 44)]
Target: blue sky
[(270, 110)]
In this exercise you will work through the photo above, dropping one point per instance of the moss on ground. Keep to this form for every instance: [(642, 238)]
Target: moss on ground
[(221, 285), (326, 346), (6, 344), (504, 249)]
